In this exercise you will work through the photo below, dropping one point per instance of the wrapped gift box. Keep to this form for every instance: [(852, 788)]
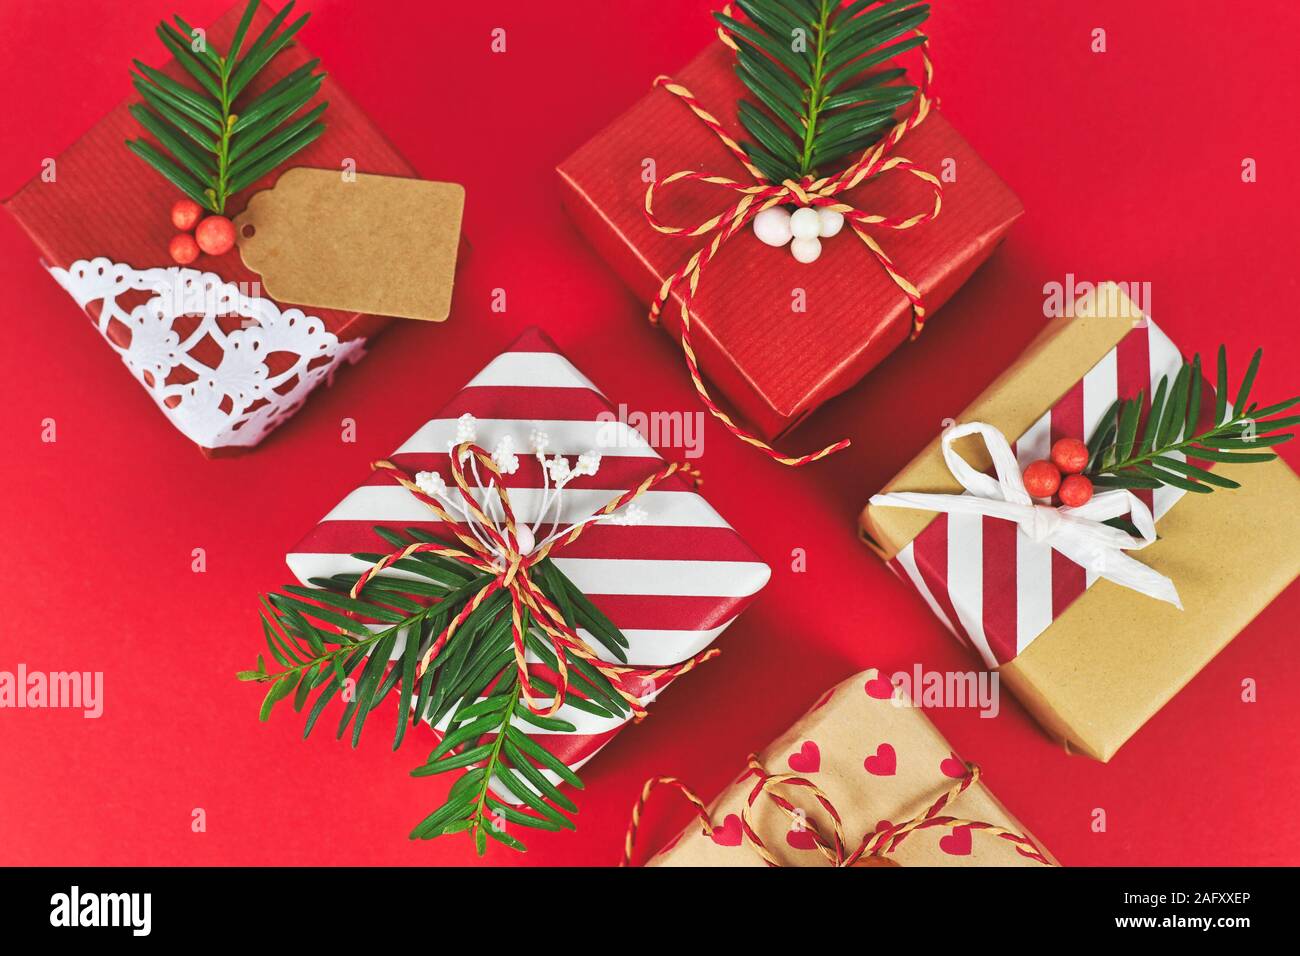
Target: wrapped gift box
[(773, 364), (1092, 660), (881, 764), (672, 584), (225, 364)]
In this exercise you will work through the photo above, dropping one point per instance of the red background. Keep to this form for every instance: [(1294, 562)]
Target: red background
[(1129, 164)]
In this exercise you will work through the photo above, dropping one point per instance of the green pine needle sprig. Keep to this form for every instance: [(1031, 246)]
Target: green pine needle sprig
[(1124, 455), (324, 641), (812, 65), (212, 149)]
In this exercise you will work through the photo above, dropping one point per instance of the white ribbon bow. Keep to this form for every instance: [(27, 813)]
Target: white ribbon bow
[(1078, 533)]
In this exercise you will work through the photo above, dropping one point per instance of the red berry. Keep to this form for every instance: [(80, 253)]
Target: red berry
[(183, 248), (1076, 490), (1041, 478), (216, 235), (1070, 455), (186, 214)]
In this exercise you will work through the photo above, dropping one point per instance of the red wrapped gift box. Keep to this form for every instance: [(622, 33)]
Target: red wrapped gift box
[(776, 365), (224, 363)]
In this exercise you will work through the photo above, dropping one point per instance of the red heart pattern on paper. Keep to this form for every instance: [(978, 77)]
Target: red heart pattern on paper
[(800, 839), (953, 766), (880, 688), (883, 763), (807, 760), (956, 843), (729, 833)]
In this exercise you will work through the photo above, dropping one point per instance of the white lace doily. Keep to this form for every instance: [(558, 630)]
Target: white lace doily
[(242, 399)]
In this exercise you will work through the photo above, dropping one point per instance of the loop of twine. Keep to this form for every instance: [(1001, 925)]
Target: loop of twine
[(834, 849), (759, 195), (511, 572)]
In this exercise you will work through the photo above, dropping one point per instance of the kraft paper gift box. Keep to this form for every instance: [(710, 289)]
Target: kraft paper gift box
[(223, 362), (672, 584), (881, 764), (773, 365), (1092, 660)]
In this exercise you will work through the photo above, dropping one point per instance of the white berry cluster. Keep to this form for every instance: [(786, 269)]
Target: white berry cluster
[(803, 229)]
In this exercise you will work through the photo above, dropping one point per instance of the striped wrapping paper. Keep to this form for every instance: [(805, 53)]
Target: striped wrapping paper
[(672, 584), (992, 586)]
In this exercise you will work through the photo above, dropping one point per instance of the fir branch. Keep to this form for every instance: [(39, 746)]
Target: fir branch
[(1122, 455), (213, 150), (812, 65), (322, 637)]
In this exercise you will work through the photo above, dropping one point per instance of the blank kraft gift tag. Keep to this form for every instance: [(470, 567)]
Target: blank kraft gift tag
[(382, 245)]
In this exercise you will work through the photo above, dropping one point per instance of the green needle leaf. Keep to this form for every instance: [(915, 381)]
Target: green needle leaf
[(237, 41), (1243, 393), (177, 176), (1221, 389), (1128, 422)]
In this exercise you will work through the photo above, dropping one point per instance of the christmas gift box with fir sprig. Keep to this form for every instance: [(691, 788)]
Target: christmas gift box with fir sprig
[(134, 220), (524, 575), (791, 203), (1102, 521)]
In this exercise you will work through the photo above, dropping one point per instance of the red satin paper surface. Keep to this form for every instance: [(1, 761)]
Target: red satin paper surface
[(778, 338), (1121, 178)]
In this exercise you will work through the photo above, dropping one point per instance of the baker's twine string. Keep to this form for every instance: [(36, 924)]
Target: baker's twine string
[(834, 849), (760, 195), (511, 571)]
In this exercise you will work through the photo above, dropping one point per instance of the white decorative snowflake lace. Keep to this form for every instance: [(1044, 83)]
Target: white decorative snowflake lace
[(242, 399)]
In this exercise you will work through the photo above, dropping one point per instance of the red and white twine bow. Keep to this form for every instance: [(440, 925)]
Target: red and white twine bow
[(759, 195), (505, 550), (874, 846)]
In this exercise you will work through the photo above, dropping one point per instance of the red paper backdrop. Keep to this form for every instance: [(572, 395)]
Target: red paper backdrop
[(1129, 164)]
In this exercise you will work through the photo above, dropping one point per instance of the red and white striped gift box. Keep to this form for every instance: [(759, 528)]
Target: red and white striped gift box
[(672, 583), (990, 584)]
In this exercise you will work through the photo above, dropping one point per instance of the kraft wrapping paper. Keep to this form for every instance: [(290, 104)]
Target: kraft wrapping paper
[(1115, 657), (875, 759)]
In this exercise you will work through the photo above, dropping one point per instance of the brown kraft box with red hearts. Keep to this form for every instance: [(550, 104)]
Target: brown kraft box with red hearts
[(880, 763)]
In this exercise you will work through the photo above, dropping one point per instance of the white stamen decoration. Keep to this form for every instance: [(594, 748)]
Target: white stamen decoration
[(504, 457), (803, 229), (557, 472), (466, 430), (431, 483)]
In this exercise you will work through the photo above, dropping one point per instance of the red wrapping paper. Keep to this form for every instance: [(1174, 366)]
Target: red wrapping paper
[(775, 365), (105, 202)]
